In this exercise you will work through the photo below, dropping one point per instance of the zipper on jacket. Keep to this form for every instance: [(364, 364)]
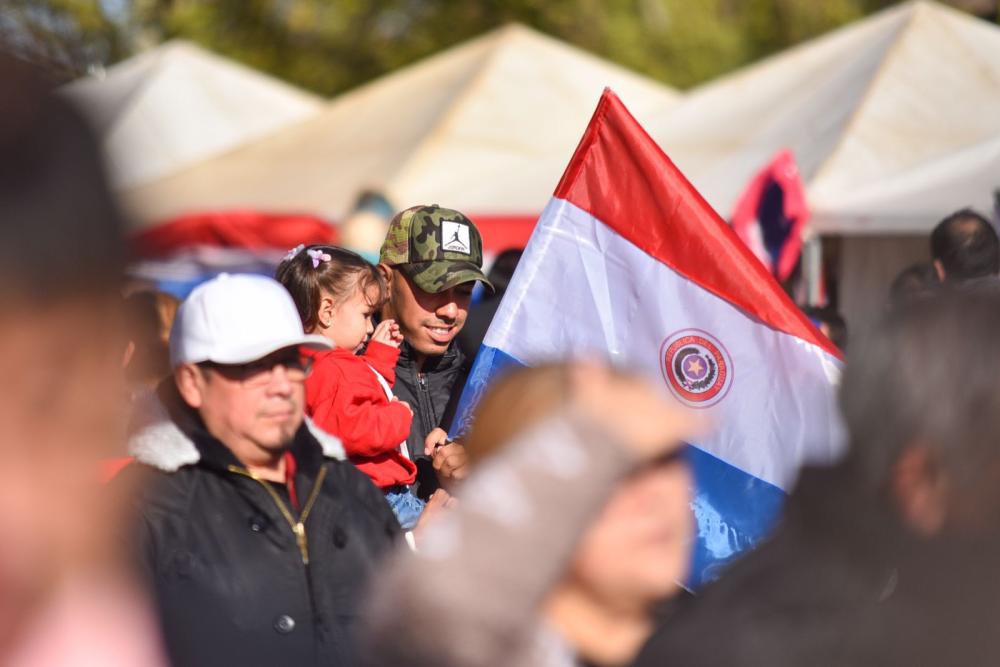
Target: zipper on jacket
[(424, 401), (298, 526)]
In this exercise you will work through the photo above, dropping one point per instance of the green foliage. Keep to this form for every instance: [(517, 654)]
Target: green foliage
[(66, 35), (332, 45)]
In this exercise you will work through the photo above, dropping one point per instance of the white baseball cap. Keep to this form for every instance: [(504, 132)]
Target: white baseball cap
[(236, 319)]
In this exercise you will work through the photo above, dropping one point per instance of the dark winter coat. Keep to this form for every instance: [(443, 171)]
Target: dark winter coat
[(842, 583), (429, 391), (239, 577)]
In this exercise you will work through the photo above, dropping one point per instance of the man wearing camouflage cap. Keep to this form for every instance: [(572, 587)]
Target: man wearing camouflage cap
[(431, 259)]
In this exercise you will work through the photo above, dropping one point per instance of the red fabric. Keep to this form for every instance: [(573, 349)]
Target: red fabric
[(109, 468), (344, 398), (253, 230), (619, 175), (504, 232), (783, 171), (291, 467), (250, 230)]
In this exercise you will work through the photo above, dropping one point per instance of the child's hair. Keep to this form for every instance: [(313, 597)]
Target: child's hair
[(308, 271)]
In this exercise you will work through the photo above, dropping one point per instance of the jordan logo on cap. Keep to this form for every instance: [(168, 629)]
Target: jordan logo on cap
[(455, 236)]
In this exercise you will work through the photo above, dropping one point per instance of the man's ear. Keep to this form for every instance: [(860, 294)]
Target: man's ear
[(920, 491), (387, 273), (390, 276), (939, 270), (191, 384)]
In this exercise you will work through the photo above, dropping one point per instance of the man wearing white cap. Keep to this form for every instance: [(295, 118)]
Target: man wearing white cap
[(256, 534)]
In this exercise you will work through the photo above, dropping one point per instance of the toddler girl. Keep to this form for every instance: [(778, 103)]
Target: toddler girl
[(349, 393)]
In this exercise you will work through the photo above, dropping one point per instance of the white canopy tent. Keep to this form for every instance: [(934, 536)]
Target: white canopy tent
[(486, 127), (917, 199), (892, 120), (176, 105)]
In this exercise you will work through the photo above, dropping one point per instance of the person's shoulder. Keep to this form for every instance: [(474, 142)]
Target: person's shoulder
[(696, 643), (365, 500), (346, 475), (156, 491), (165, 459), (731, 607), (330, 446), (764, 620), (343, 476)]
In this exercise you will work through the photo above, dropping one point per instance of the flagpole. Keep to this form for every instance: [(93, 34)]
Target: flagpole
[(812, 264)]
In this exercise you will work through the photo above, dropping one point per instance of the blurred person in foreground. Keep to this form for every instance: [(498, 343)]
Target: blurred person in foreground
[(431, 259), (888, 558), (574, 523), (916, 281), (255, 532), (964, 247), (65, 594)]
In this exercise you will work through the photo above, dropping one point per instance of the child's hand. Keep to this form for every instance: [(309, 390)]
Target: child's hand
[(436, 438), (451, 463), (387, 333), (404, 404)]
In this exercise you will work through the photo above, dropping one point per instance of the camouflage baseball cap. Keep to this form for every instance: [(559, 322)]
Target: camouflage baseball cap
[(437, 248)]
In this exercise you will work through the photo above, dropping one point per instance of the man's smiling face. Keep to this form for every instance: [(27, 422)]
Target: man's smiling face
[(428, 322)]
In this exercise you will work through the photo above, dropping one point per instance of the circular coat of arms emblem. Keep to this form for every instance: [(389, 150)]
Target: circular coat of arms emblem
[(696, 367)]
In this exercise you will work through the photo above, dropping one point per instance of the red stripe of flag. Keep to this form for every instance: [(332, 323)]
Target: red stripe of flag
[(647, 200)]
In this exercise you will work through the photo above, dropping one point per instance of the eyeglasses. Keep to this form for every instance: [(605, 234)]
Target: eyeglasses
[(261, 372)]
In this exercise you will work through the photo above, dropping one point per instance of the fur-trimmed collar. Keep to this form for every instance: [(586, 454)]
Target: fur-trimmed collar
[(154, 438)]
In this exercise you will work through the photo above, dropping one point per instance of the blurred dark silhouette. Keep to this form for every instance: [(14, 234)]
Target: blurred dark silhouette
[(914, 282), (888, 557), (65, 596), (61, 233)]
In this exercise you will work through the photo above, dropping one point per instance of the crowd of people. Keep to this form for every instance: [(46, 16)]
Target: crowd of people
[(291, 495)]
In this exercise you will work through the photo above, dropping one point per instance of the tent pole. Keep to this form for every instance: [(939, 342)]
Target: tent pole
[(812, 263)]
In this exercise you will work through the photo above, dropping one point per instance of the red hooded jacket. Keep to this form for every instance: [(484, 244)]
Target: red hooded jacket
[(344, 398)]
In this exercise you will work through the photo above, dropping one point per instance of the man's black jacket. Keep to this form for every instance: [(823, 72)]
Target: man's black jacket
[(233, 582), (429, 391)]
